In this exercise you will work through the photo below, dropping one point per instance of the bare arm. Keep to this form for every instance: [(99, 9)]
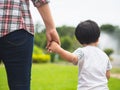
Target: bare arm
[(44, 10), (51, 33), (108, 74), (68, 56), (63, 53)]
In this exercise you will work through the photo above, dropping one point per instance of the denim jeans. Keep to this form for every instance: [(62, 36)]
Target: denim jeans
[(16, 53)]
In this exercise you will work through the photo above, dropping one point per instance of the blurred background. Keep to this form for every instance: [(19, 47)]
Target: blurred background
[(52, 72), (67, 14)]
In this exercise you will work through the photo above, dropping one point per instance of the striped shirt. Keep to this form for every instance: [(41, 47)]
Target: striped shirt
[(15, 15)]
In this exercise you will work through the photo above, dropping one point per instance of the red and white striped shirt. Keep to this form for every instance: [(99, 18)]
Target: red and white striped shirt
[(15, 15)]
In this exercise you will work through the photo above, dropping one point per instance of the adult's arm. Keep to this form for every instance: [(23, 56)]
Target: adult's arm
[(44, 10)]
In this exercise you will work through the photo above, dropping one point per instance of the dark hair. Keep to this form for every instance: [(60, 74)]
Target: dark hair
[(87, 32)]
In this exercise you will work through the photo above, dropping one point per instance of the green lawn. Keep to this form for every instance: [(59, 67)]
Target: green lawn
[(53, 77)]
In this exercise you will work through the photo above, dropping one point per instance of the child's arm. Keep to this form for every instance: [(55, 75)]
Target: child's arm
[(68, 56), (109, 67), (63, 53), (108, 74)]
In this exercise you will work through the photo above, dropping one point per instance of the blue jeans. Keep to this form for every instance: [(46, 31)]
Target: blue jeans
[(16, 53)]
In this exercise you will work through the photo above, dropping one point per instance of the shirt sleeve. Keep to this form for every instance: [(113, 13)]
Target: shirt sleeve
[(38, 3), (109, 66), (79, 53)]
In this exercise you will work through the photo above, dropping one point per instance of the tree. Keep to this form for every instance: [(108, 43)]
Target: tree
[(66, 34), (66, 42), (67, 37), (66, 30), (108, 51), (40, 39), (108, 27)]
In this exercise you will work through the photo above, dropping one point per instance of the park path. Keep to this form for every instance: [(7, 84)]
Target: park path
[(115, 75)]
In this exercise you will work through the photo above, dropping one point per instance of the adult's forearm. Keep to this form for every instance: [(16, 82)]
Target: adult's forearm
[(45, 13)]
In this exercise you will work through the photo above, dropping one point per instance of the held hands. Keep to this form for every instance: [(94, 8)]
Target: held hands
[(52, 35), (54, 47), (51, 32), (53, 40)]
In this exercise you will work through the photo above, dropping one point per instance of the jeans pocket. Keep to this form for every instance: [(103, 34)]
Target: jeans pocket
[(16, 38)]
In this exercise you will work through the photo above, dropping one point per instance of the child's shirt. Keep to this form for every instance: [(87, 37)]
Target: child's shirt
[(93, 64)]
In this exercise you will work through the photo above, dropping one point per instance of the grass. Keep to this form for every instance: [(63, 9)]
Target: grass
[(54, 77), (114, 84)]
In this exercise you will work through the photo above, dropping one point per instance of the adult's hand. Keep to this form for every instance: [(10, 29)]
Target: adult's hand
[(52, 35)]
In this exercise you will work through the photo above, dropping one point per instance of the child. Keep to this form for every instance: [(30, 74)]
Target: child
[(94, 64)]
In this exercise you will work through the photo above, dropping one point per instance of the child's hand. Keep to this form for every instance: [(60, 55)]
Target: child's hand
[(54, 47)]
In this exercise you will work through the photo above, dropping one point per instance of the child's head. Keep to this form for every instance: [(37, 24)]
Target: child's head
[(87, 32)]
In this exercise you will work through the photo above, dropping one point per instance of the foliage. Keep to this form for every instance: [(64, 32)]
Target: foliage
[(37, 50), (66, 30), (108, 27), (41, 58), (38, 55), (63, 31), (40, 39), (67, 37), (117, 28), (108, 51), (66, 42), (66, 34), (52, 57)]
